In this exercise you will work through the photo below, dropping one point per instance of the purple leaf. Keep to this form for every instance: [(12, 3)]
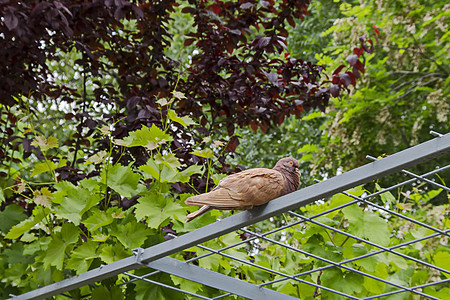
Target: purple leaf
[(352, 59)]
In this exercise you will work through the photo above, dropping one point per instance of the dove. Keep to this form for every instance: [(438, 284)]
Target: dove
[(249, 188)]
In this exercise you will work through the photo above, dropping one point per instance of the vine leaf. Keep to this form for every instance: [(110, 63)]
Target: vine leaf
[(12, 215), (43, 197), (43, 167), (122, 179), (111, 253), (185, 120), (442, 260), (55, 253), (132, 235), (150, 138), (76, 203), (98, 219), (158, 209), (44, 143), (82, 257), (367, 225), (38, 214)]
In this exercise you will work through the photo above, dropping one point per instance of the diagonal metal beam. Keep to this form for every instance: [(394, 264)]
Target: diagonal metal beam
[(215, 280), (382, 167)]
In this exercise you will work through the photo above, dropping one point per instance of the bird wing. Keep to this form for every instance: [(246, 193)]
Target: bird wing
[(243, 190)]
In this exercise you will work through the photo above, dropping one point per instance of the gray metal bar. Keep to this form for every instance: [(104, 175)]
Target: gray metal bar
[(215, 280), (98, 274), (361, 175)]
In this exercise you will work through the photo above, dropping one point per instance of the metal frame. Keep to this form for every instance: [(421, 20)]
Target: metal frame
[(156, 258)]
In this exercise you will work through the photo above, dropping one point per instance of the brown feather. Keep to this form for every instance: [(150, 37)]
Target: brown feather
[(249, 188)]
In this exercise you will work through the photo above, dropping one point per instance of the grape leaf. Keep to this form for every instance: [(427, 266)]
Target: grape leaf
[(157, 209), (132, 235), (38, 214), (112, 253), (98, 219), (121, 179), (43, 167), (55, 253), (367, 225), (12, 215), (76, 203)]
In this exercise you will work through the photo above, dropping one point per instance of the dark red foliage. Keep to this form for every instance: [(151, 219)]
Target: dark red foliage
[(241, 76)]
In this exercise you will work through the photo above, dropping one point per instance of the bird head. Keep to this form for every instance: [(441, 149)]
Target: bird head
[(288, 164)]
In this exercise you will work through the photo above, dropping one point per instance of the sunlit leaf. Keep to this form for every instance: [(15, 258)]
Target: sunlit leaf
[(43, 197), (185, 120), (44, 143), (97, 158), (43, 167), (205, 153)]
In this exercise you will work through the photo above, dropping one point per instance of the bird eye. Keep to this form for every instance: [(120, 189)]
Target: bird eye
[(291, 163)]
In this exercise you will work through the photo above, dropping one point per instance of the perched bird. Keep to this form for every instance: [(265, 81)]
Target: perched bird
[(249, 188)]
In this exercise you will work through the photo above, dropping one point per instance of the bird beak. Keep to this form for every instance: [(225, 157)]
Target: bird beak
[(298, 171)]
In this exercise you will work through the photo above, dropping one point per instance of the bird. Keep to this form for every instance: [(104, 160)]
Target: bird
[(249, 188)]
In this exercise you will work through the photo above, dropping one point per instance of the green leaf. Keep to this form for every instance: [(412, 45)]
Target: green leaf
[(43, 197), (14, 254), (367, 225), (97, 158), (347, 282), (168, 159), (113, 293), (157, 209), (121, 179), (76, 203), (185, 120), (98, 219), (186, 174), (308, 148), (55, 253), (2, 196), (82, 257), (205, 153), (100, 293), (112, 253), (44, 143), (132, 235), (386, 197), (38, 214), (164, 169), (151, 138), (12, 215), (70, 233), (376, 286), (442, 260), (43, 167), (151, 168)]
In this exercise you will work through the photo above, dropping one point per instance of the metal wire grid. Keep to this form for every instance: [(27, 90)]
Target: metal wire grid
[(187, 270)]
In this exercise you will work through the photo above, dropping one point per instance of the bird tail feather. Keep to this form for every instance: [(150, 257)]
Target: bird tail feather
[(195, 214)]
